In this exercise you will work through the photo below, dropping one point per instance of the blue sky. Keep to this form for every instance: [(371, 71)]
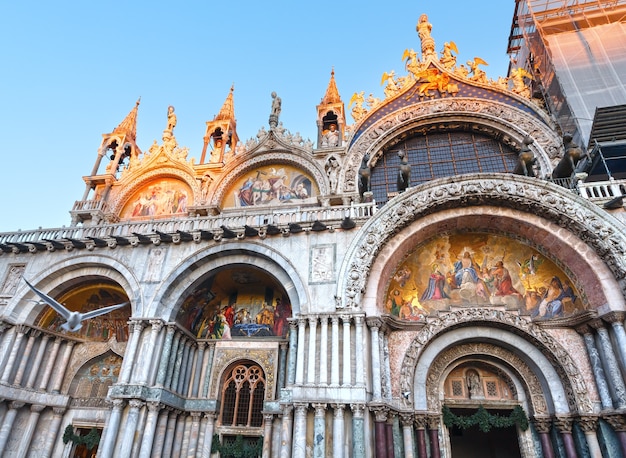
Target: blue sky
[(72, 70)]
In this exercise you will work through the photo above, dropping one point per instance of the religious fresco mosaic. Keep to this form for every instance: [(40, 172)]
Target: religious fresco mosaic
[(272, 185), (479, 269), (161, 198), (242, 302), (84, 298)]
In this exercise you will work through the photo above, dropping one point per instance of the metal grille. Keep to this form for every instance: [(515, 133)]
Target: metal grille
[(243, 394)]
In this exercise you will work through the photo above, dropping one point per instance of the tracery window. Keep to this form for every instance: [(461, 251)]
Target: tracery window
[(243, 394)]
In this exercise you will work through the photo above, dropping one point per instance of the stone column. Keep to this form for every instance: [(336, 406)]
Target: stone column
[(323, 380), (62, 367), (564, 426), (420, 432), (182, 374), (285, 431), (358, 430), (618, 423), (267, 435), (299, 431), (179, 434), (391, 416), (611, 361), (338, 430), (319, 431), (198, 372), (130, 428), (358, 350), (293, 348), (193, 435), (14, 351), (19, 375), (433, 431), (47, 373), (596, 366), (334, 357), (159, 435), (26, 435), (347, 344), (282, 364), (208, 434), (171, 364), (617, 322), (386, 369), (301, 345), (165, 356), (149, 430), (374, 325), (380, 430), (50, 434), (589, 425), (310, 372), (109, 435), (7, 424), (43, 344), (170, 431), (131, 350), (148, 352), (542, 425), (406, 419), (207, 372), (178, 362)]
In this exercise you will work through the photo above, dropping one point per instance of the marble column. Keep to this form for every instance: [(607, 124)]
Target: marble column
[(380, 430), (34, 371), (596, 366), (7, 424), (564, 427), (613, 368), (26, 434), (338, 430), (293, 349), (109, 435), (47, 373), (542, 425), (149, 430), (179, 434), (171, 364), (62, 367), (433, 432), (358, 430), (130, 427), (267, 435), (334, 357), (301, 347), (407, 433), (14, 351), (199, 364), (589, 426), (170, 431), (618, 423), (391, 416), (194, 434), (616, 319), (421, 422), (347, 344), (286, 431), (282, 364), (184, 367), (178, 362), (159, 435), (386, 368), (148, 351), (165, 356), (19, 375), (207, 372), (323, 380), (209, 427), (299, 431), (319, 431), (374, 325), (358, 350), (51, 432), (310, 372), (131, 350)]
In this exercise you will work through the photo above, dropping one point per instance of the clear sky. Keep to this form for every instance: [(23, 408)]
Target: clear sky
[(72, 70)]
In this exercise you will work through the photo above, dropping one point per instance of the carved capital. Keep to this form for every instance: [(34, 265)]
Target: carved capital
[(301, 407), (374, 322), (37, 408), (58, 411), (16, 405), (157, 325), (615, 318), (153, 406), (320, 409), (287, 409), (357, 410), (421, 421), (563, 424), (617, 421), (406, 418), (345, 319), (433, 421), (597, 324), (588, 423), (338, 410), (136, 326), (542, 425), (136, 404), (312, 320), (380, 413)]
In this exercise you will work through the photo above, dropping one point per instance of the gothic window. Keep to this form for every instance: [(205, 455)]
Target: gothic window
[(243, 393)]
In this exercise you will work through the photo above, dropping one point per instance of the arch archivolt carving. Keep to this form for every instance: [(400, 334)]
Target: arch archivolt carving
[(488, 116), (593, 226), (229, 177), (571, 379)]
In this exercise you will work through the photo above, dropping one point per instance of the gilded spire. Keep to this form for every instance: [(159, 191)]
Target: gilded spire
[(129, 125), (332, 94), (228, 109)]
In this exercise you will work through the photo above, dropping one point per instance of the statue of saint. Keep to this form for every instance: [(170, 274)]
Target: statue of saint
[(171, 119)]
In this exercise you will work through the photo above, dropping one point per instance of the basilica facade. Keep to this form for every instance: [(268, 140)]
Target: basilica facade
[(417, 281)]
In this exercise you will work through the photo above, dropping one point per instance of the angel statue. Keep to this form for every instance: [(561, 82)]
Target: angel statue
[(448, 60), (479, 74), (413, 64), (519, 86), (358, 111), (391, 88)]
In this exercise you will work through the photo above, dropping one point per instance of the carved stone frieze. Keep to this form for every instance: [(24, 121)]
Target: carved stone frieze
[(571, 378), (590, 223)]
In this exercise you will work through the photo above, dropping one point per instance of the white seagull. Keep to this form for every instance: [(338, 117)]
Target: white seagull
[(74, 320)]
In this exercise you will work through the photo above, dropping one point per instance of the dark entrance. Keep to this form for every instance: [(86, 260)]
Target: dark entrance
[(473, 443)]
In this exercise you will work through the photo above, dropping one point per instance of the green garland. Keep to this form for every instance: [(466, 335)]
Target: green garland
[(237, 449), (90, 441), (485, 420)]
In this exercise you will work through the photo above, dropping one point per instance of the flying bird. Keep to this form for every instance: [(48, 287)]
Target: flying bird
[(74, 320)]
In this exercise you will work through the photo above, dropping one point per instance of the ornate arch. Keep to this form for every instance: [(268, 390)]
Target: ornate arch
[(488, 116), (567, 370), (602, 232), (294, 158)]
